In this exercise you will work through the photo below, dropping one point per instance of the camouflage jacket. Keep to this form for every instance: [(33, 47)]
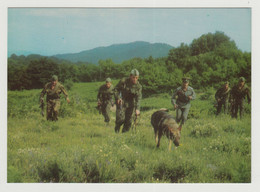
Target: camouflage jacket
[(130, 93), (182, 97), (105, 94), (53, 93), (222, 94), (240, 94)]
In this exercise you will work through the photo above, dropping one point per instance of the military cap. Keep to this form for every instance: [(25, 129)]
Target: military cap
[(185, 80), (54, 78), (226, 83), (242, 79), (135, 72), (108, 80)]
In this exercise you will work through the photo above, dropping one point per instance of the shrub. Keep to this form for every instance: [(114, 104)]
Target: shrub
[(50, 172)]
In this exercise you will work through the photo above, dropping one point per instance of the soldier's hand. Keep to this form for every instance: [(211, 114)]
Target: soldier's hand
[(175, 106), (190, 97), (68, 100), (119, 101), (137, 112)]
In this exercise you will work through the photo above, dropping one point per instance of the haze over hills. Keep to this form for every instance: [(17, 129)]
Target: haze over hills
[(119, 52)]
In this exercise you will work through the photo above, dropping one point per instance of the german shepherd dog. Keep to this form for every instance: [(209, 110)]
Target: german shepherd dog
[(165, 124)]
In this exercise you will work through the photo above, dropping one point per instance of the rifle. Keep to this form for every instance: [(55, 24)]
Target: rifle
[(98, 107), (135, 123), (121, 104), (42, 108)]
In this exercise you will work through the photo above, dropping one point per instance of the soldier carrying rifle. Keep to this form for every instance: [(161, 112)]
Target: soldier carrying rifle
[(237, 97), (181, 101), (128, 94), (105, 99), (222, 97), (53, 90)]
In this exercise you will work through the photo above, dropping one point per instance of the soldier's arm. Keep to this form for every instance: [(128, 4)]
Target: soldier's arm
[(118, 89), (193, 96), (43, 93), (173, 100), (138, 98), (99, 95), (248, 95), (63, 90), (217, 95), (231, 95)]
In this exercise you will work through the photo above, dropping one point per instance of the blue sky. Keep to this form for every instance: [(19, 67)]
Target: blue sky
[(49, 31)]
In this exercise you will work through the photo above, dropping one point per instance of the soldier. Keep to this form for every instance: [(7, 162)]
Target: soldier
[(128, 94), (53, 90), (105, 100), (184, 94), (222, 97), (238, 94)]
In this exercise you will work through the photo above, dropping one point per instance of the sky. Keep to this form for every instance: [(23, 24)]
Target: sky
[(50, 31)]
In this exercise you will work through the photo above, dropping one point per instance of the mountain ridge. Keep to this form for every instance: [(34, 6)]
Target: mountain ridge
[(118, 52)]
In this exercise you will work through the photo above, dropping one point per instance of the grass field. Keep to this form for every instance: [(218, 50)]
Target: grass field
[(80, 148)]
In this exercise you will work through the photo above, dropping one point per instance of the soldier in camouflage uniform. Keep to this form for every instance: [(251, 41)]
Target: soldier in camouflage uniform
[(105, 100), (237, 97), (128, 94), (184, 94), (222, 97), (53, 90)]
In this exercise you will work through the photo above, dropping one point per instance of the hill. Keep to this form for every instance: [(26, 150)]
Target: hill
[(119, 52)]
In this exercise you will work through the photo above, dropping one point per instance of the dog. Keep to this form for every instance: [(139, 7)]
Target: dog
[(165, 124)]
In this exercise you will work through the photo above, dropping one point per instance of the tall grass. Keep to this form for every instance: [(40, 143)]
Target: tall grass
[(79, 148)]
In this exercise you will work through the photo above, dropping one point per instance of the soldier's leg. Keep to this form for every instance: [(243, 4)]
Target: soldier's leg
[(219, 108), (241, 106), (232, 111), (225, 105), (107, 114), (185, 115), (178, 115), (128, 119), (56, 109), (105, 110), (120, 117), (235, 110), (49, 111)]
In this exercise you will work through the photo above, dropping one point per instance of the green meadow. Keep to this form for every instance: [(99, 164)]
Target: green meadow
[(80, 148)]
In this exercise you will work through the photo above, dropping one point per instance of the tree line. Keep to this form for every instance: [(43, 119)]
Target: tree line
[(208, 61)]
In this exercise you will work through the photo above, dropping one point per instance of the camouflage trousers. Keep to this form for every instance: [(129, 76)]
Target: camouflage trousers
[(182, 115), (105, 109), (123, 117), (225, 106), (53, 107), (237, 106)]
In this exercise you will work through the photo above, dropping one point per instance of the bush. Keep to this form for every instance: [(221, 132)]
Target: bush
[(204, 130), (68, 84)]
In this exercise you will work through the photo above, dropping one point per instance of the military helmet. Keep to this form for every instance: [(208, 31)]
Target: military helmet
[(185, 79), (134, 72), (54, 78), (242, 79), (226, 83), (108, 80)]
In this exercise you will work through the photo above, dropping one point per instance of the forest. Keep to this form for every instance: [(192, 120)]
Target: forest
[(208, 61)]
